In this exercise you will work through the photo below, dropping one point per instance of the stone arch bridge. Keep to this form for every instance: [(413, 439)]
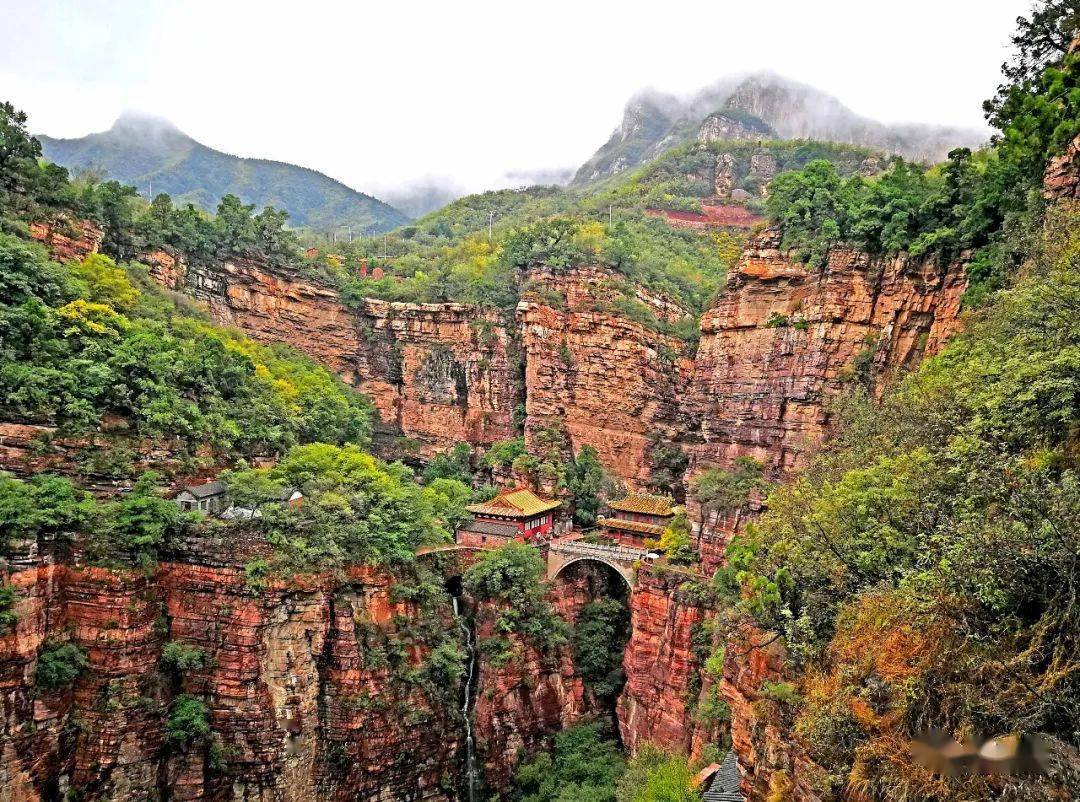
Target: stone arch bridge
[(565, 551)]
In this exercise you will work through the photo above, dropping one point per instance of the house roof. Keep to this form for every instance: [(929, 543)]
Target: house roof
[(637, 527), (206, 490), (518, 503), (645, 503), (725, 783), (492, 528)]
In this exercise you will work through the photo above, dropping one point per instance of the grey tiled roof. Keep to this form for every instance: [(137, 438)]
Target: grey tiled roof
[(492, 528), (725, 783), (206, 490)]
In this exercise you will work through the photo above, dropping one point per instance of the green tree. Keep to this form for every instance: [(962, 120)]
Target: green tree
[(599, 640), (675, 541), (59, 665), (582, 767), (41, 508), (512, 576), (585, 479), (142, 521), (17, 148), (188, 720), (656, 776), (234, 226)]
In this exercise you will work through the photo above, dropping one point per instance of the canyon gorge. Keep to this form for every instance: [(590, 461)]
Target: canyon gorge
[(300, 708)]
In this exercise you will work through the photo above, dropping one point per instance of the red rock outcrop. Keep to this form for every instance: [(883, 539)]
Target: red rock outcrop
[(785, 337), (298, 707), (668, 687), (602, 378), (437, 373), (1063, 174), (663, 673), (521, 704), (68, 239)]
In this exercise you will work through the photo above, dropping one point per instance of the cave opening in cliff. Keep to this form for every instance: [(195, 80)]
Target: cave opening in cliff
[(595, 599)]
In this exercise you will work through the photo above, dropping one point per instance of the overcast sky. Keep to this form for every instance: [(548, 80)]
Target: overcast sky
[(383, 94)]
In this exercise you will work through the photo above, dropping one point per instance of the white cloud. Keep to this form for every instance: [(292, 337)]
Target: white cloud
[(382, 94)]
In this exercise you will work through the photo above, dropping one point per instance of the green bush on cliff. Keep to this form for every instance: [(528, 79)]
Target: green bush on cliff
[(8, 616), (178, 658), (356, 508), (188, 720), (599, 640), (512, 578), (59, 665), (41, 508)]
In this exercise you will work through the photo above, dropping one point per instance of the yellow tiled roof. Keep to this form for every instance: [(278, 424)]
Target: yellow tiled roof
[(520, 503), (644, 503), (637, 527)]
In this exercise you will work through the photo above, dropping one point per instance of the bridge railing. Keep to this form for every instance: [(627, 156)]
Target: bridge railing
[(579, 549)]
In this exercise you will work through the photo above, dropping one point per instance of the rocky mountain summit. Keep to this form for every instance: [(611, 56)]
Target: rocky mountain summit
[(763, 106)]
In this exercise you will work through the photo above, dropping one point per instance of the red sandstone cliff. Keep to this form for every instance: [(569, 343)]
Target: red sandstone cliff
[(604, 379), (437, 373), (298, 711), (784, 338)]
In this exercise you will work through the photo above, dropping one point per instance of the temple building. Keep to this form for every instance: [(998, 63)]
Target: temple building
[(636, 518), (517, 514)]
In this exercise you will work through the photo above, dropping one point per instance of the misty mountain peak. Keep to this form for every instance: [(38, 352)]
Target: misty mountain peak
[(758, 104), (133, 121)]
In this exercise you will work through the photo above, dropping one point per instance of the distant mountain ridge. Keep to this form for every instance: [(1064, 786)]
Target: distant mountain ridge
[(145, 151), (654, 121)]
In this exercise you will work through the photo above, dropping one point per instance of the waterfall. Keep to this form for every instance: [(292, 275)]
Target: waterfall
[(466, 705)]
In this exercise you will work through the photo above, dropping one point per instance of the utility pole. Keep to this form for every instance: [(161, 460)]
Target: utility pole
[(491, 216), (151, 180), (609, 207)]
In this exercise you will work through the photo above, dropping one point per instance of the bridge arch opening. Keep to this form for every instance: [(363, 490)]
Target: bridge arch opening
[(616, 569), (593, 596)]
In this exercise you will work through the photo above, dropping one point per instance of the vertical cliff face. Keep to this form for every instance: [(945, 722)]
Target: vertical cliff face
[(663, 672), (599, 376), (681, 696), (1063, 173), (298, 707), (784, 338), (437, 373)]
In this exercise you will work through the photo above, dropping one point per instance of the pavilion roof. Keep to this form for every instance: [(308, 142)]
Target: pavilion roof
[(644, 503), (636, 527), (518, 503)]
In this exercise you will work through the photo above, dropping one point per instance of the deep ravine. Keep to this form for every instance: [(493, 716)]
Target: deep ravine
[(467, 701)]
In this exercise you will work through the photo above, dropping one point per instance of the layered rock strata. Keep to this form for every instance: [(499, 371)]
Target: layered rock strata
[(437, 373), (598, 376), (784, 338)]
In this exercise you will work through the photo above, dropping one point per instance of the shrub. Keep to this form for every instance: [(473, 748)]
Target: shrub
[(189, 719), (8, 617), (178, 658), (782, 692), (59, 665)]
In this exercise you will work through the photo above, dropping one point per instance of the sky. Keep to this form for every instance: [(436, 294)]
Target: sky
[(475, 94)]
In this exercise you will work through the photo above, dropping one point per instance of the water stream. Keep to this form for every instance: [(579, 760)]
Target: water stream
[(466, 705)]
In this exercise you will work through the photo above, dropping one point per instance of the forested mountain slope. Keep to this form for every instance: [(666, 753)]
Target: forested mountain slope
[(149, 152)]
